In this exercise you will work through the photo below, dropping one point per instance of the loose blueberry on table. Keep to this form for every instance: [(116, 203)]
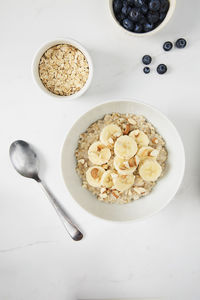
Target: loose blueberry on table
[(146, 70), (181, 43), (140, 16), (161, 69), (167, 46), (146, 59)]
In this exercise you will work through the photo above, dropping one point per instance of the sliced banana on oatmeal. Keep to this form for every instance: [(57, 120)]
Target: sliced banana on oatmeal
[(124, 166), (140, 137), (109, 134), (107, 179), (150, 170), (123, 182), (94, 176), (98, 154), (125, 147), (147, 152)]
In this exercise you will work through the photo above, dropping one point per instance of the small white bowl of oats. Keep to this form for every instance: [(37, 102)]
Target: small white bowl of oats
[(123, 161), (63, 68)]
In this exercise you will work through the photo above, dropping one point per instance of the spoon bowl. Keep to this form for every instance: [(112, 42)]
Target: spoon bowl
[(24, 159)]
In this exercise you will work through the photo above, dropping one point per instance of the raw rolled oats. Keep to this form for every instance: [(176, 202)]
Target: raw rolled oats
[(63, 69)]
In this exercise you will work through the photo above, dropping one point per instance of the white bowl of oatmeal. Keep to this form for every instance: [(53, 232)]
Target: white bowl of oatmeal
[(123, 161), (63, 69)]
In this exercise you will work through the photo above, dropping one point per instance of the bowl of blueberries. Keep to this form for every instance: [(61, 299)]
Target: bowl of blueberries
[(141, 17)]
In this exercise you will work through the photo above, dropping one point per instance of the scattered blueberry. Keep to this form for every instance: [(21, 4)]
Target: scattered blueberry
[(128, 24), (181, 43), (154, 5), (139, 3), (153, 16), (135, 14), (138, 28), (146, 70), (144, 9), (148, 27), (167, 46), (117, 6), (146, 59), (161, 69), (164, 5)]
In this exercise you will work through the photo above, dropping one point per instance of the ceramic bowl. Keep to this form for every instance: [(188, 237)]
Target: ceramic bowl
[(165, 188), (38, 56), (162, 25)]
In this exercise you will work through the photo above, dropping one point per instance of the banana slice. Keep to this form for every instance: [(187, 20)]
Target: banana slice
[(94, 176), (125, 147), (109, 134), (107, 180), (98, 154), (140, 137), (123, 182), (124, 166), (147, 152), (150, 170)]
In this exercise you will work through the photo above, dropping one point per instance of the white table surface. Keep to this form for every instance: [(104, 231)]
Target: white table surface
[(159, 257)]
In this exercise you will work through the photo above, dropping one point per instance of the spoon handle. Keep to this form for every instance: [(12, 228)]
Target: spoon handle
[(71, 228)]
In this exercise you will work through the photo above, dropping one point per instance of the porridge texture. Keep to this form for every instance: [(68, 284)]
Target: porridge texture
[(63, 70), (120, 158)]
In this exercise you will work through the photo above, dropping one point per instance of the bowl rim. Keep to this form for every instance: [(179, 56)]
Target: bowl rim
[(38, 54), (128, 100), (158, 28)]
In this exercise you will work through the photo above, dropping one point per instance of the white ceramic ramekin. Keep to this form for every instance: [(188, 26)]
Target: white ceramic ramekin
[(38, 56)]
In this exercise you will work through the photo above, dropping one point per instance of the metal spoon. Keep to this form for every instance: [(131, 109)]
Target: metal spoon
[(25, 161)]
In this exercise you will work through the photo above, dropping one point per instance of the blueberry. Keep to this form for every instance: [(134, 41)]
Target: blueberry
[(130, 2), (161, 69), (162, 16), (142, 20), (146, 59), (128, 24), (181, 43), (124, 3), (117, 6), (146, 70), (154, 5), (157, 24), (153, 16), (167, 46), (139, 3), (138, 28), (126, 10), (120, 17), (164, 5), (148, 27), (135, 14), (144, 9)]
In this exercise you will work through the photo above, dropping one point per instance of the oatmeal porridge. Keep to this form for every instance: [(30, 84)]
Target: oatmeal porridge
[(120, 158)]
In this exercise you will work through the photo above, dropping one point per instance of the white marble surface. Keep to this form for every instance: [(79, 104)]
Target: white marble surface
[(159, 257)]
